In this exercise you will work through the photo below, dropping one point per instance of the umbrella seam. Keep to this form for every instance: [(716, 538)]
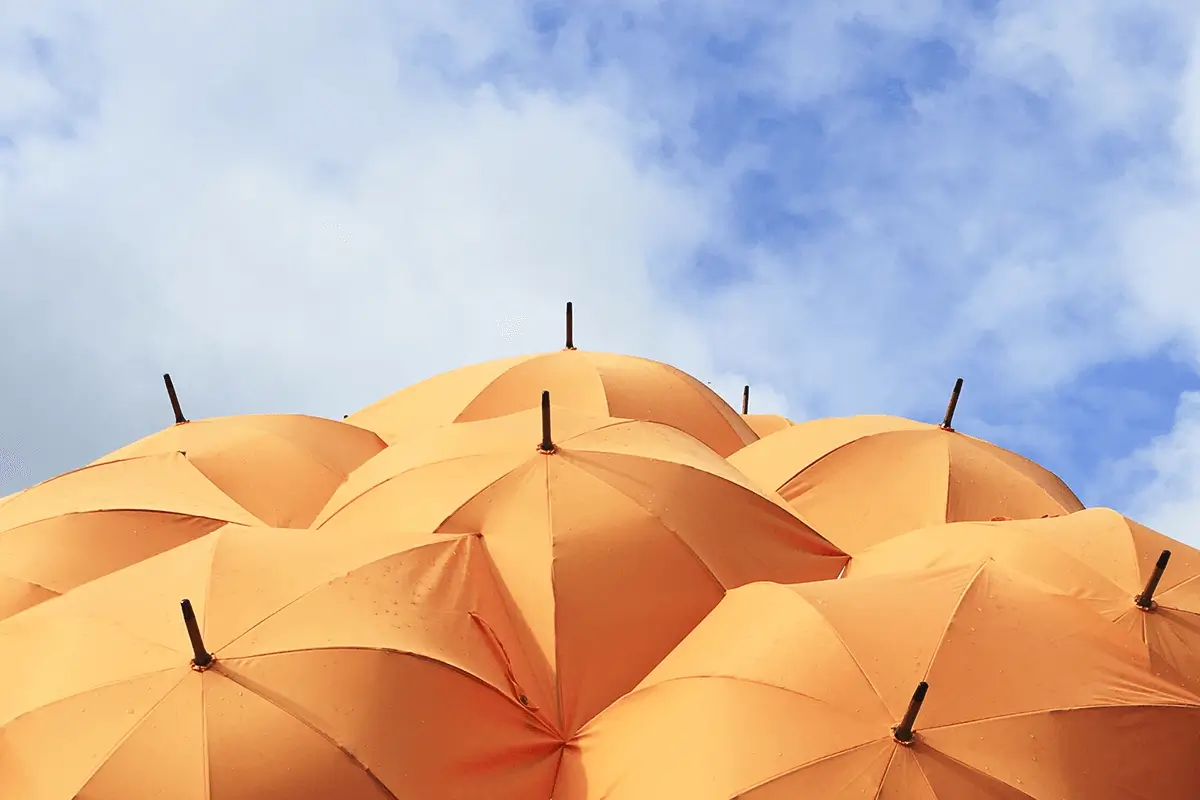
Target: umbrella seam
[(317, 588), (949, 475), (829, 453), (296, 716), (888, 767), (1159, 596), (554, 597), (973, 769), (299, 445), (735, 678), (296, 446), (1176, 706), (732, 417), (521, 361), (950, 618), (391, 477), (81, 692), (500, 451), (542, 724), (810, 763), (125, 737), (96, 465), (4, 531), (787, 512), (34, 584), (845, 647), (208, 578), (674, 533), (983, 446), (204, 743), (682, 377)]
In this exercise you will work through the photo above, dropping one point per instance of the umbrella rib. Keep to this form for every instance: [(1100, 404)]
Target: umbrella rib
[(734, 678), (132, 728), (887, 767), (950, 619), (982, 445), (827, 454), (811, 763), (205, 478), (682, 377), (32, 583), (1164, 592), (553, 595), (858, 664), (316, 588), (73, 695), (975, 770), (391, 477), (949, 477), (1175, 706), (296, 444), (379, 784), (393, 651)]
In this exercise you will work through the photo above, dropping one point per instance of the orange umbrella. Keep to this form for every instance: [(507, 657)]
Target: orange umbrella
[(949, 684), (280, 467), (762, 424), (615, 537), (765, 424), (361, 668), (599, 384), (87, 523), (861, 480), (1144, 581)]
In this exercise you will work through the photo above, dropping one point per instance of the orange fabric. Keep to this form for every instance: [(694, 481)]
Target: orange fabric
[(1096, 555), (599, 384), (793, 691), (280, 467), (765, 424), (613, 547), (78, 526), (363, 667), (861, 480)]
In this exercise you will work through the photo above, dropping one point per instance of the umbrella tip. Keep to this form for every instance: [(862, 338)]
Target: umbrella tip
[(903, 733), (745, 399), (948, 420), (570, 326), (201, 658), (174, 398), (1145, 600), (547, 445)]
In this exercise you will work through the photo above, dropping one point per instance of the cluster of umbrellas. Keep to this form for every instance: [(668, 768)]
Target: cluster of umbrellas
[(584, 576)]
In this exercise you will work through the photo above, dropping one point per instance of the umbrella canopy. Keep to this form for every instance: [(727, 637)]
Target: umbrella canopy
[(1097, 555), (280, 467), (362, 668), (949, 684), (615, 537), (765, 424), (762, 424), (598, 384), (861, 480), (78, 526)]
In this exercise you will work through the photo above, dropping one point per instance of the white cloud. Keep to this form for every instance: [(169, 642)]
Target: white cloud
[(285, 211), (1169, 467), (302, 206)]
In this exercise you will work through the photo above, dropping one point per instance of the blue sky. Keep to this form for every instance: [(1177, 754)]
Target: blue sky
[(846, 205)]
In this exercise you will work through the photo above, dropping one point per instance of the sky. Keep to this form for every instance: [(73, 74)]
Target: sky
[(303, 206)]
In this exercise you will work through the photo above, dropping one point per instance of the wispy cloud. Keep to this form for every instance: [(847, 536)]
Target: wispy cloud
[(303, 206)]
